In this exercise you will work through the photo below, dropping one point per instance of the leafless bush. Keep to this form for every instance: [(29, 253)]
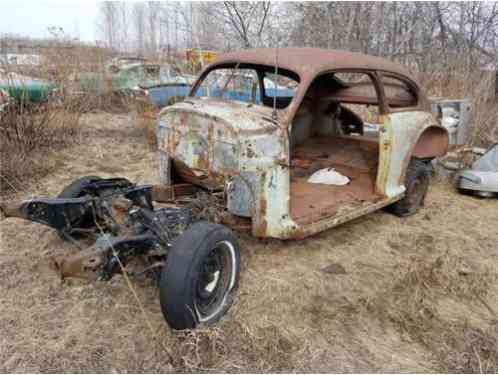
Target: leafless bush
[(29, 131), (27, 134), (144, 115)]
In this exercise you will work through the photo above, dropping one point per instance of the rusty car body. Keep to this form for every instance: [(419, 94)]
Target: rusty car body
[(260, 155), (245, 160)]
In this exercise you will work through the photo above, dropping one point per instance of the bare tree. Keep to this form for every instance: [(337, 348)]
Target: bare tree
[(139, 26), (109, 12), (418, 34)]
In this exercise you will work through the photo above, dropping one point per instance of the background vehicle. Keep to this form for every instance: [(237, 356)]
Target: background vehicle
[(198, 58), (25, 90), (482, 178), (124, 75)]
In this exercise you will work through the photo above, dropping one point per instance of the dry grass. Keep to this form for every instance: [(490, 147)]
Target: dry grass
[(423, 287), (419, 294), (144, 115)]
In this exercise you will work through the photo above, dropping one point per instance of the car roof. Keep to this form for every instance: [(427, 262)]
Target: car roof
[(308, 62)]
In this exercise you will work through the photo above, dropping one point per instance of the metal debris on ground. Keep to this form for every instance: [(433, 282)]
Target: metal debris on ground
[(482, 177)]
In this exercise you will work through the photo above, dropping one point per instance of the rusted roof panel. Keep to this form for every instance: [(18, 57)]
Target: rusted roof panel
[(308, 62)]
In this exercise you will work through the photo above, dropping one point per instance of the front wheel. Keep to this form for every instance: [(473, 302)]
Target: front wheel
[(200, 277), (417, 181)]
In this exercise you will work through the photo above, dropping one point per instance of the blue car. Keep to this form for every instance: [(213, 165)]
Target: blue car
[(165, 94)]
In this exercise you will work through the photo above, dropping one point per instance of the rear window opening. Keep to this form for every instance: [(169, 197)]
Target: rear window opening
[(399, 93)]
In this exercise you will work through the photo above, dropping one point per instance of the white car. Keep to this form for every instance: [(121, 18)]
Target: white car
[(482, 178)]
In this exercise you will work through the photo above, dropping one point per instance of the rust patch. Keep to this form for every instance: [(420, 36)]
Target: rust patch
[(162, 193), (81, 265), (433, 142)]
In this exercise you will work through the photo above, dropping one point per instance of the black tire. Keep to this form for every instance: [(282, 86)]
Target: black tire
[(76, 188), (185, 298), (417, 181)]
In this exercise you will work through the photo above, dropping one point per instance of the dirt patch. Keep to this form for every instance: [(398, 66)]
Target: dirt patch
[(418, 294)]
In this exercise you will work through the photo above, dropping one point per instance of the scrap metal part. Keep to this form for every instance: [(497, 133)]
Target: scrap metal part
[(482, 178), (121, 217)]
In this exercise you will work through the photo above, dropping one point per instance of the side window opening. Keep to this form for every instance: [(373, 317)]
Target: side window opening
[(152, 71), (279, 85), (399, 93), (278, 89)]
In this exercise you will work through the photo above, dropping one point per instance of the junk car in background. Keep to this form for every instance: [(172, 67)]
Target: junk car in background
[(25, 90), (123, 75)]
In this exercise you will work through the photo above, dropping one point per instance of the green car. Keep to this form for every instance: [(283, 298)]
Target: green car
[(24, 89), (125, 77)]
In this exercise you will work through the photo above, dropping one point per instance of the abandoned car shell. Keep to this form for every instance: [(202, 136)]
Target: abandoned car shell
[(252, 151)]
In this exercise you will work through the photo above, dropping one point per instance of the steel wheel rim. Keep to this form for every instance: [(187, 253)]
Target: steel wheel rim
[(217, 275)]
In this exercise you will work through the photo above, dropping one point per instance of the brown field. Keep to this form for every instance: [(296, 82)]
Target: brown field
[(418, 294)]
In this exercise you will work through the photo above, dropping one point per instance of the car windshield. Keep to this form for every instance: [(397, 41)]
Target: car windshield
[(243, 84), (234, 84)]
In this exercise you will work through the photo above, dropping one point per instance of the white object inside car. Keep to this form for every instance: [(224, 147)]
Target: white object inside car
[(328, 176)]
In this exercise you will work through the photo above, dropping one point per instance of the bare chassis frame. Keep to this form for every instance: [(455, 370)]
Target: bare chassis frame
[(119, 214)]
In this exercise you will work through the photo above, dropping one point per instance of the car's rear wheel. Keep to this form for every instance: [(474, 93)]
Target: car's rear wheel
[(200, 277), (417, 181)]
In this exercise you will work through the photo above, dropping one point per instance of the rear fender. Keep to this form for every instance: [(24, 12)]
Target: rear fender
[(432, 143)]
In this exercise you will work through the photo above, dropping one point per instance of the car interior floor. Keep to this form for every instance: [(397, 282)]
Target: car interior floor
[(353, 156)]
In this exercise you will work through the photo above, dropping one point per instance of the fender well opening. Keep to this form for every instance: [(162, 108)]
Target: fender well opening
[(433, 142)]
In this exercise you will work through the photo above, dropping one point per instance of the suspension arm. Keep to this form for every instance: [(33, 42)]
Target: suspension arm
[(102, 260)]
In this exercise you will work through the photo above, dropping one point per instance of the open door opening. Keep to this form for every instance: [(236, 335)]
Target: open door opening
[(336, 127)]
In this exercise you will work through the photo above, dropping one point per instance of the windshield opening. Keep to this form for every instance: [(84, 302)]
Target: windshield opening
[(257, 84)]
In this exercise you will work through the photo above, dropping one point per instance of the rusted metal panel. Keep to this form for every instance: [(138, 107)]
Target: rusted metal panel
[(223, 143), (333, 221), (307, 62), (81, 265), (455, 117), (399, 134), (245, 150), (165, 193)]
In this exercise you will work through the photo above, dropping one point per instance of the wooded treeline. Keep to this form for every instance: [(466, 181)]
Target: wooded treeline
[(423, 34)]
